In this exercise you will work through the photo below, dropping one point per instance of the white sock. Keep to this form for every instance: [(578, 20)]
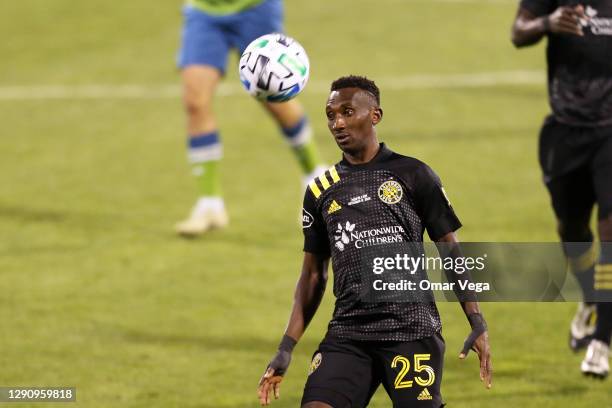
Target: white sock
[(207, 203)]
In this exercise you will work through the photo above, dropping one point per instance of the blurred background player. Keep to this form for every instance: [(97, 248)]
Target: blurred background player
[(211, 28), (576, 151)]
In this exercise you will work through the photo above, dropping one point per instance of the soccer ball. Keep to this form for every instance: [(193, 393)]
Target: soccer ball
[(274, 68)]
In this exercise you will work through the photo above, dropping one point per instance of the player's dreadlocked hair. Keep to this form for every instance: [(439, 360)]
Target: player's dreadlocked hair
[(356, 81)]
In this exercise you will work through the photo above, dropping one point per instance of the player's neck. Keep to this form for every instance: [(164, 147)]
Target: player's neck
[(365, 155)]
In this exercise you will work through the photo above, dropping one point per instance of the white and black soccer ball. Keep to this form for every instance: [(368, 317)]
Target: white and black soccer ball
[(274, 68)]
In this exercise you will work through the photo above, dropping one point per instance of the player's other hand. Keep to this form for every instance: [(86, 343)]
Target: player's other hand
[(270, 382), (478, 340), (567, 20)]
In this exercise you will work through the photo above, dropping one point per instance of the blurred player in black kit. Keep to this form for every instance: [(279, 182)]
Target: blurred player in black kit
[(384, 197), (576, 151)]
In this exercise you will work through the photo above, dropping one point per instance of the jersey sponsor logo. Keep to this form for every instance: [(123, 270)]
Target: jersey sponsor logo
[(424, 395), (359, 199), (307, 219), (315, 363), (342, 235), (590, 12), (390, 192), (333, 207), (346, 234), (598, 25)]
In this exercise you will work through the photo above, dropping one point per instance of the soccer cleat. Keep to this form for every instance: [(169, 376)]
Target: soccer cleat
[(198, 224), (595, 363), (583, 326), (204, 217)]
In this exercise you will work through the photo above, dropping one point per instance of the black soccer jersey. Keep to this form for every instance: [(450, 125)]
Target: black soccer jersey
[(580, 68), (353, 208)]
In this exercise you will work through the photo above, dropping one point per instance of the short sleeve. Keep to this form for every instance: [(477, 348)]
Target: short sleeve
[(538, 7), (316, 239), (435, 209)]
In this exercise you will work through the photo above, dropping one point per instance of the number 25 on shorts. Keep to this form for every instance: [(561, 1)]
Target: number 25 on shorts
[(419, 367)]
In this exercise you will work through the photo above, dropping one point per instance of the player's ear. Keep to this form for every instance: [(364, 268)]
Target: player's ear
[(377, 115)]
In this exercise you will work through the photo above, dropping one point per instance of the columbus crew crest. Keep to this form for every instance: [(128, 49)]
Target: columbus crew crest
[(316, 362), (390, 192)]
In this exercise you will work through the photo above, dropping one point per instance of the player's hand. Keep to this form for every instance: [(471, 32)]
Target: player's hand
[(567, 20), (478, 340), (270, 381), (268, 384)]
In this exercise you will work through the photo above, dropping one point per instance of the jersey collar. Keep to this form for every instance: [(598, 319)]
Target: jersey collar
[(382, 154)]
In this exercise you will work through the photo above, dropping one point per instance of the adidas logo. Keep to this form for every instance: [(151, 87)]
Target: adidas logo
[(424, 395), (334, 206)]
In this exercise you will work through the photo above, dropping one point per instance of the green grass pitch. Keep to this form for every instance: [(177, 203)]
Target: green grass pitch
[(98, 293)]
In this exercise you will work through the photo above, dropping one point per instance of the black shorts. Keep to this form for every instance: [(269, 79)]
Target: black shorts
[(346, 373), (577, 167)]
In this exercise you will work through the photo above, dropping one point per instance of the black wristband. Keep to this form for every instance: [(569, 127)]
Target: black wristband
[(287, 343), (546, 23), (477, 322)]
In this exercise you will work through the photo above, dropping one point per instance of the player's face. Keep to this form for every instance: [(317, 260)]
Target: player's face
[(351, 116)]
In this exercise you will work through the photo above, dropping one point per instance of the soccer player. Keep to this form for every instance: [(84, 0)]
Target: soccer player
[(576, 151), (381, 196), (211, 29)]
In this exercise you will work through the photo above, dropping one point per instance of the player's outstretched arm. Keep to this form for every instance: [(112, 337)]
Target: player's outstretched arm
[(478, 339), (529, 29), (308, 294)]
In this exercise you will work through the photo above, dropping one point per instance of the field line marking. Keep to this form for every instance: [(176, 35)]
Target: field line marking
[(161, 91), (500, 2)]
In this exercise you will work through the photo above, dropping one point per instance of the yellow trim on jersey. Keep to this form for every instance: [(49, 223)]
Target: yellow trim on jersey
[(603, 269), (334, 174), (315, 189), (324, 181), (603, 276)]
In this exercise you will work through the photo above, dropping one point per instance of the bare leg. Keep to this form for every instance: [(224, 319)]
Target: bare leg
[(286, 114), (204, 150), (199, 85), (292, 120)]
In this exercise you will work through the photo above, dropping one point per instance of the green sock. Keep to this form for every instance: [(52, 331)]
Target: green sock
[(307, 155), (207, 177)]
